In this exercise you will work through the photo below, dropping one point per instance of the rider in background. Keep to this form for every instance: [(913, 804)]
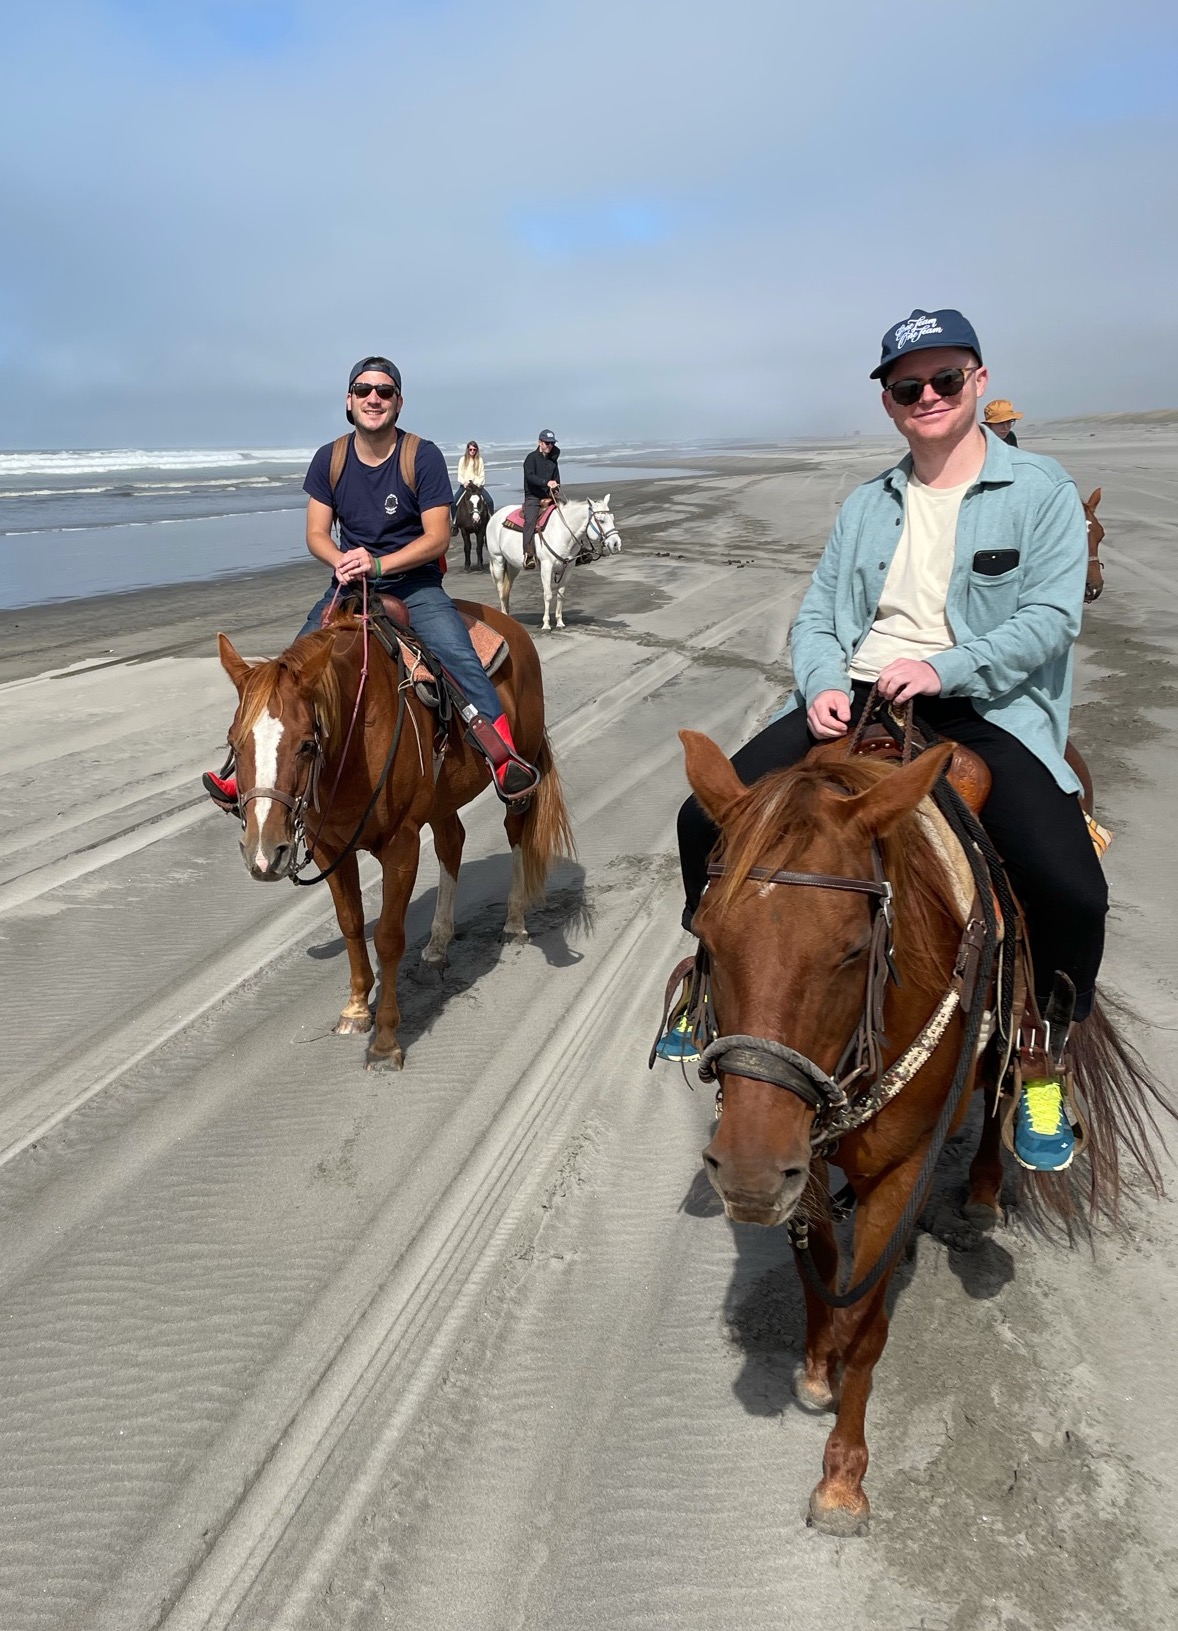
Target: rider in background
[(1000, 417), (472, 472), (396, 539), (956, 580), (541, 481)]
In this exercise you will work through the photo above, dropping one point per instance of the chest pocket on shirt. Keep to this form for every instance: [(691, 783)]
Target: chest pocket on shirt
[(993, 588)]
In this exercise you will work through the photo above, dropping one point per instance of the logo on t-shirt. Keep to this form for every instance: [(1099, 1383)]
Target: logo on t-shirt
[(390, 504), (915, 328)]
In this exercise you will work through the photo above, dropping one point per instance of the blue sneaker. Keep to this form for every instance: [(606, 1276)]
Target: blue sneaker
[(1043, 1138), (677, 1044)]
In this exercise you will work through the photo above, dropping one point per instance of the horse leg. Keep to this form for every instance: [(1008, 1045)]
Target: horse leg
[(838, 1505), (515, 929), (983, 1206), (560, 604), (344, 884), (546, 581), (466, 548), (398, 860), (816, 1381), (449, 835), (482, 548)]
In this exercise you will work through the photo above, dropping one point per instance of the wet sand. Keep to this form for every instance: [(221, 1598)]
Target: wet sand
[(287, 1344)]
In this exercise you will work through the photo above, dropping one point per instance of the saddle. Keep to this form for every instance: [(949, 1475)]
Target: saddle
[(515, 521), (490, 647)]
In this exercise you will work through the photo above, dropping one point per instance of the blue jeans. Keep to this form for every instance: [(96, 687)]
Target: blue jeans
[(439, 623)]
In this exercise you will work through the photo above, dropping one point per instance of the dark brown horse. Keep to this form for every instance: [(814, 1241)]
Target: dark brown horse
[(290, 739), (790, 962), (1094, 582), (474, 511)]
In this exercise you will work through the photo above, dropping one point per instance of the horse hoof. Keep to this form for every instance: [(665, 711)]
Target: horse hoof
[(428, 971), (844, 1522), (813, 1396), (394, 1059), (516, 937), (983, 1217), (352, 1025)]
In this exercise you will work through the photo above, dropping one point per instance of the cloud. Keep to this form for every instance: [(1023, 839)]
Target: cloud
[(635, 221)]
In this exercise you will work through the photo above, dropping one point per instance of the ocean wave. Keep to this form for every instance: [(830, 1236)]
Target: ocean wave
[(103, 461)]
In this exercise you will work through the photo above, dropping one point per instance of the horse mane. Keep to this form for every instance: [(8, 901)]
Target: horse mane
[(787, 809), (263, 686)]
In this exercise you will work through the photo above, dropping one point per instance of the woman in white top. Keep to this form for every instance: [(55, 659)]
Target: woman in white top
[(472, 472)]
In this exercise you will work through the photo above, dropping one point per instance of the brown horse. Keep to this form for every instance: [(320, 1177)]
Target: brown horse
[(474, 512), (791, 961), (1094, 582), (290, 739)]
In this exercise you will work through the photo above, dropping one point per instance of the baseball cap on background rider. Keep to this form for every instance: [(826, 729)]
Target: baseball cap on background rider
[(922, 330), (546, 436)]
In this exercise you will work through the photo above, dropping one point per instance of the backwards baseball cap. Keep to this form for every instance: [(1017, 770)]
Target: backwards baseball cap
[(920, 331), (546, 436), (380, 365)]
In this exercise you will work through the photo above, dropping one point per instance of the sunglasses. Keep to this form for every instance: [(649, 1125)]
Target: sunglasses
[(384, 392), (945, 382)]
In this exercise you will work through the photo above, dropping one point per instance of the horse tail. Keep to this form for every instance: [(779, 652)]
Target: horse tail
[(1121, 1102), (548, 833)]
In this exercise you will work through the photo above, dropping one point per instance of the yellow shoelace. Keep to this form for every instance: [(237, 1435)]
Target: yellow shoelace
[(1044, 1100)]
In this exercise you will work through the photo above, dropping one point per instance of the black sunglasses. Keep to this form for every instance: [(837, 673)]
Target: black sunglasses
[(363, 389), (945, 382)]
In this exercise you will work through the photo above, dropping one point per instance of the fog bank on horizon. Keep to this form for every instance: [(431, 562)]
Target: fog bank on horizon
[(657, 222)]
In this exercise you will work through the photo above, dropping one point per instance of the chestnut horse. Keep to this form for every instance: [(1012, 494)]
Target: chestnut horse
[(793, 960), (1094, 582), (293, 750)]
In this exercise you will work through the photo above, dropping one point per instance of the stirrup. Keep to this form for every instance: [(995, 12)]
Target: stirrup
[(687, 1025)]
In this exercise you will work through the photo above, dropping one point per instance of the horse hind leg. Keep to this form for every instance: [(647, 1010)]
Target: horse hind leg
[(983, 1205), (449, 836)]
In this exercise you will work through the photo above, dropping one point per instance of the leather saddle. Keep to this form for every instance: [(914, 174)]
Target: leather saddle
[(515, 521), (490, 646)]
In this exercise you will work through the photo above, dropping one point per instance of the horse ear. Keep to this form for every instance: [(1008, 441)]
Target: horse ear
[(895, 796), (310, 668), (1094, 500), (710, 772), (232, 662), (605, 501)]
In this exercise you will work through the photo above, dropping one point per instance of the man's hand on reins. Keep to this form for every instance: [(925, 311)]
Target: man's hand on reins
[(904, 679), (829, 715), (353, 565)]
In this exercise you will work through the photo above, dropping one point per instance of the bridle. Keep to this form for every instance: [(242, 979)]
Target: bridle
[(766, 1060), (297, 804), (597, 537)]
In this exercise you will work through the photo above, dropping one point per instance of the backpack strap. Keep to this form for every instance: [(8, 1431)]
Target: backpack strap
[(339, 456), (410, 442)]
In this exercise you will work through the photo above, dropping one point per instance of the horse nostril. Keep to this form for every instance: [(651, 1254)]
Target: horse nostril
[(791, 1174), (710, 1161)]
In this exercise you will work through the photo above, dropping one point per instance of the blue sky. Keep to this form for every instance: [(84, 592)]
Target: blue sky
[(630, 221)]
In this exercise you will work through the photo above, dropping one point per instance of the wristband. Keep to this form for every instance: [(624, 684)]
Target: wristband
[(377, 565)]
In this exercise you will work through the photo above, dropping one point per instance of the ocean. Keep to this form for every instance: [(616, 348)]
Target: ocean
[(92, 522)]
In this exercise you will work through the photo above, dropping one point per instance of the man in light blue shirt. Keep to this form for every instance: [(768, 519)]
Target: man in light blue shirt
[(956, 580)]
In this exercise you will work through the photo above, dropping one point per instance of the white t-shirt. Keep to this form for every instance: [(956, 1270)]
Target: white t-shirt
[(910, 618)]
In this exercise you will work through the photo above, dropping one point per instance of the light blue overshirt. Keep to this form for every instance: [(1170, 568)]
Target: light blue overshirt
[(1013, 633)]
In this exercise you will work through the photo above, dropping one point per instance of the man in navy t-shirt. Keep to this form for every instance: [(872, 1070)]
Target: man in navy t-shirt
[(396, 538)]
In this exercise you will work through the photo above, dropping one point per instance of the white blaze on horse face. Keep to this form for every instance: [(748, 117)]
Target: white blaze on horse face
[(267, 735)]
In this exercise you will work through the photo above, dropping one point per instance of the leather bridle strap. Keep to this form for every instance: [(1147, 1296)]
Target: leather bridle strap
[(879, 887), (763, 1060)]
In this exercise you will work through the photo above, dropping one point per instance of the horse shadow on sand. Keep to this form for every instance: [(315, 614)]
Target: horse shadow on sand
[(763, 1307), (478, 944)]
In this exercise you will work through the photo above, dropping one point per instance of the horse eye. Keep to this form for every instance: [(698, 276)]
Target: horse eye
[(854, 954), (307, 748)]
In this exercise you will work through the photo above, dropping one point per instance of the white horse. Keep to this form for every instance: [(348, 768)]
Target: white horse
[(580, 530)]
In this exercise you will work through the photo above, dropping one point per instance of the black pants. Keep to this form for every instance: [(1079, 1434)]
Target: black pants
[(1036, 827), (531, 516)]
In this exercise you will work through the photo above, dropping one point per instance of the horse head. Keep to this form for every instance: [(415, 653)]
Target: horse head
[(790, 962), (602, 529), (1094, 583), (286, 708)]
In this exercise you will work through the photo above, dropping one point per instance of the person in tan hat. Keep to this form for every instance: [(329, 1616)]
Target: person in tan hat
[(1000, 417)]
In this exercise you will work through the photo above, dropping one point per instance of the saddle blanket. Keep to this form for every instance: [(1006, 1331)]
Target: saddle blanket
[(515, 521), (490, 648)]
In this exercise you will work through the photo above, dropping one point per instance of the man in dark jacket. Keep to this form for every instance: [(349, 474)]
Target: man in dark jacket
[(541, 480)]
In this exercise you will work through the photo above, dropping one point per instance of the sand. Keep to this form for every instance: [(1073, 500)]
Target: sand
[(288, 1344)]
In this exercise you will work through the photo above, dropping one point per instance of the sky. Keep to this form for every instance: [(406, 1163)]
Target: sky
[(629, 221)]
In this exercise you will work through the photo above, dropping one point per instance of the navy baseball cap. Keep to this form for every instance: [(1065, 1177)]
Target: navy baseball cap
[(920, 331), (380, 365), (546, 436)]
